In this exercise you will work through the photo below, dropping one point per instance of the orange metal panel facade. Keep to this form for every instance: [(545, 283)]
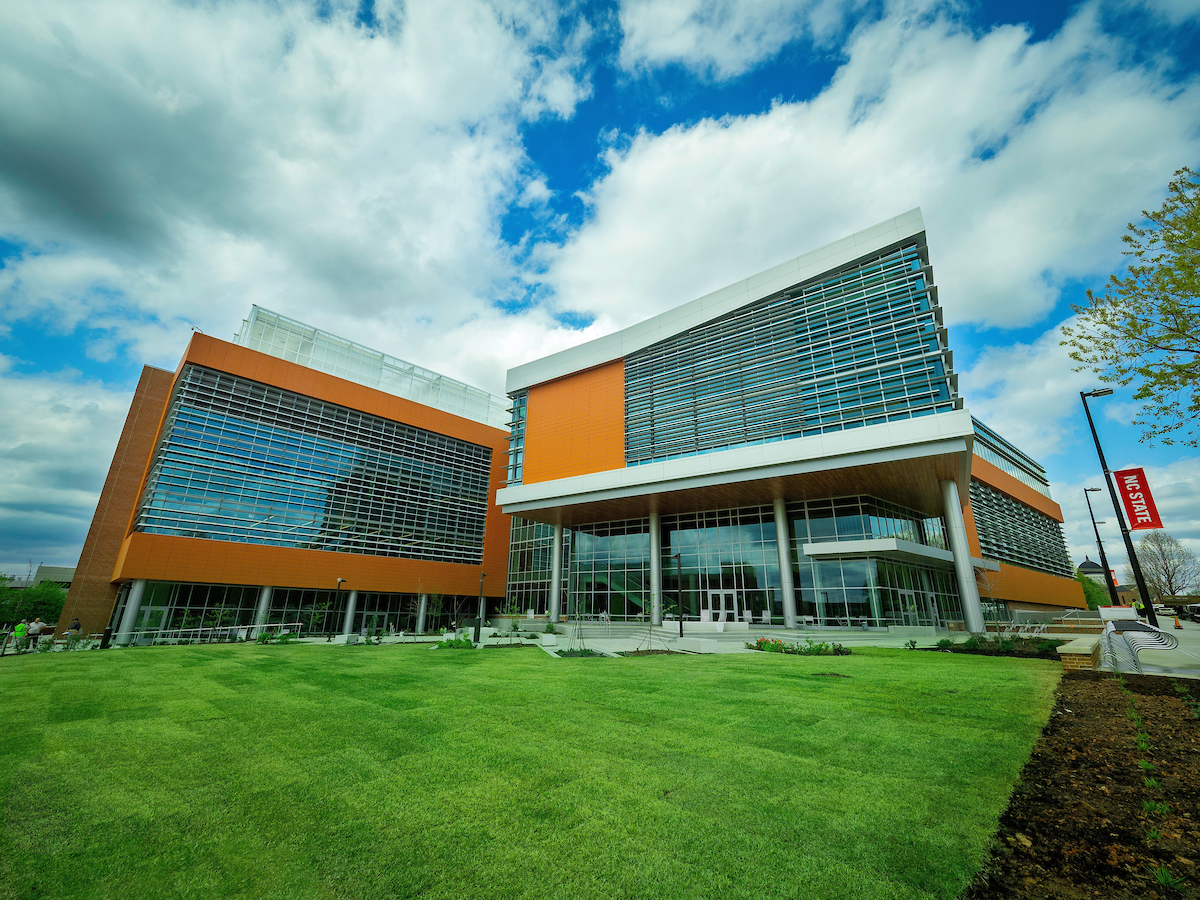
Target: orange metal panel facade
[(170, 558), (576, 425), (1017, 584)]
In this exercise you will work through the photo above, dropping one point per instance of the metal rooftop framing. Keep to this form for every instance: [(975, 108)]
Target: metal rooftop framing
[(277, 335)]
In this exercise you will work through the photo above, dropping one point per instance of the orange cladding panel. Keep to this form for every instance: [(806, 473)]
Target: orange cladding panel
[(576, 425), (161, 557), (1014, 583)]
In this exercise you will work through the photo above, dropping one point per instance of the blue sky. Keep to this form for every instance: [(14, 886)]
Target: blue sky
[(470, 185)]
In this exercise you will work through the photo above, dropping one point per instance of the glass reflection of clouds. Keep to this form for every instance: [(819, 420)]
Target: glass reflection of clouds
[(241, 461)]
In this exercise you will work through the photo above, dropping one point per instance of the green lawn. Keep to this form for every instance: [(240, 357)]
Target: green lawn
[(333, 771)]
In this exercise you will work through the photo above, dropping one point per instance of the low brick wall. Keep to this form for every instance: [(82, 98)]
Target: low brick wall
[(1081, 654)]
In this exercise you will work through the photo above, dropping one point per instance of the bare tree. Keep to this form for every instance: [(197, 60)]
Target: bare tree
[(1171, 569)]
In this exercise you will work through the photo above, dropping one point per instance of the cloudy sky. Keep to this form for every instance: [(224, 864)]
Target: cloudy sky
[(470, 185)]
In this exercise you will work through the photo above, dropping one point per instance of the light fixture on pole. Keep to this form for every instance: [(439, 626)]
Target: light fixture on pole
[(1108, 579), (1133, 560)]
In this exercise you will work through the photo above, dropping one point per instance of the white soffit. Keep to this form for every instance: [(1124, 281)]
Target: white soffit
[(718, 303)]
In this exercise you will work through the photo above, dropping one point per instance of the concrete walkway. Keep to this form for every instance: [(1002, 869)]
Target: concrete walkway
[(1181, 663)]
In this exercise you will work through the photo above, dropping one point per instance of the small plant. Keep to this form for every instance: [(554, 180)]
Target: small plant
[(1143, 741), (910, 644), (1166, 878), (945, 644), (1152, 835), (1145, 764), (550, 629), (1155, 808), (839, 650), (264, 637), (285, 637), (1005, 646), (971, 643), (1152, 783), (462, 643)]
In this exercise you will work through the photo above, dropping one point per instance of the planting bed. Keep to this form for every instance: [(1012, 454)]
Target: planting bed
[(1077, 824)]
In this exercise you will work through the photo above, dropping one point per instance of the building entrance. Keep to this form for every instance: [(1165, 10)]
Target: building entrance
[(372, 621), (719, 606)]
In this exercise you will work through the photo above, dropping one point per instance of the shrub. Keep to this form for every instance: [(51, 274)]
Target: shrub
[(550, 629), (971, 643), (945, 644), (910, 644), (463, 643), (264, 637)]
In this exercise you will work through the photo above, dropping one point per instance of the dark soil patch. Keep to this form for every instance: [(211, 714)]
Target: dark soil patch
[(586, 651), (653, 653), (1076, 825), (830, 675)]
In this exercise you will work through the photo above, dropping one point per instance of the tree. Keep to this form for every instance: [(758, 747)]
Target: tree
[(1171, 569), (1145, 328), (1095, 595), (42, 601)]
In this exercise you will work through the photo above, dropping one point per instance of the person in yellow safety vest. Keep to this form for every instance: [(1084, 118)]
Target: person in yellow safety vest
[(19, 634)]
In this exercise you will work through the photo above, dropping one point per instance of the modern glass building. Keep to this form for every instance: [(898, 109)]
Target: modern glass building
[(789, 449), (303, 480)]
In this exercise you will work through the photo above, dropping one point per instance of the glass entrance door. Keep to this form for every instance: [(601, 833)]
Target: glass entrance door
[(719, 606), (373, 622), (908, 608)]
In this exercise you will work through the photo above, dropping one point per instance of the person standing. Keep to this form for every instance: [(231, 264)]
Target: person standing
[(35, 633), (19, 635)]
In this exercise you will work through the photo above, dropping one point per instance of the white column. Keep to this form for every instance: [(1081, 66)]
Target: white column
[(422, 608), (556, 574), (656, 604), (133, 606), (351, 602), (783, 542), (264, 606), (968, 591)]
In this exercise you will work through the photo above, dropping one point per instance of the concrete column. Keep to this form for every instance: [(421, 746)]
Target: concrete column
[(556, 574), (656, 600), (264, 607), (133, 606), (351, 602), (968, 590), (783, 541), (422, 608)]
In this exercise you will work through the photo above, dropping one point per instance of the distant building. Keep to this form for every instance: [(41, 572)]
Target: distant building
[(60, 575), (1094, 571)]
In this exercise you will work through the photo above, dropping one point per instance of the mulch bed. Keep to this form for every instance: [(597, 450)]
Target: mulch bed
[(1076, 825)]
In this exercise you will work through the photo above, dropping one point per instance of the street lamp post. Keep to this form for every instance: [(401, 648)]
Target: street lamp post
[(1112, 588), (479, 624), (1112, 491)]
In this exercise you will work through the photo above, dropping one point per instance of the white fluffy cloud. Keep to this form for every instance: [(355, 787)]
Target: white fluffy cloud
[(1027, 392), (1026, 158), (59, 435), (722, 38), (171, 163)]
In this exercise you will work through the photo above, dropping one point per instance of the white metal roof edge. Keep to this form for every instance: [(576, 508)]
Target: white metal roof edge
[(703, 309)]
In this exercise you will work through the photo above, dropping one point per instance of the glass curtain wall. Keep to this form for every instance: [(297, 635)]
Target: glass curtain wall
[(169, 608), (728, 567)]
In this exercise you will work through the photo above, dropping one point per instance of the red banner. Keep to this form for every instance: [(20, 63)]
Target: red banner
[(1139, 505)]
